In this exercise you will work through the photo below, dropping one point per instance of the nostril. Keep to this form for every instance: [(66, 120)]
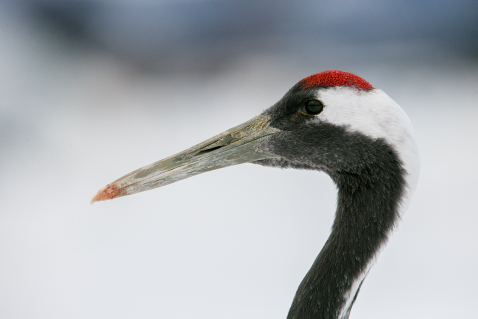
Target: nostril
[(208, 150)]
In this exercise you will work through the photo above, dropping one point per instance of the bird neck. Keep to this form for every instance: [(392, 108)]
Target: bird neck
[(367, 210)]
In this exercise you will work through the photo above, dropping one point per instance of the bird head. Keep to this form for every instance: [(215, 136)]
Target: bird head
[(333, 121)]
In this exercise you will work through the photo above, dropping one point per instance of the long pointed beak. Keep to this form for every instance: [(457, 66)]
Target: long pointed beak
[(235, 146)]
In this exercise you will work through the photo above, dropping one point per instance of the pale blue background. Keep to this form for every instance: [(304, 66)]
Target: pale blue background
[(92, 90)]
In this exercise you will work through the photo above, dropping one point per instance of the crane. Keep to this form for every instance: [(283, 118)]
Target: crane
[(334, 122)]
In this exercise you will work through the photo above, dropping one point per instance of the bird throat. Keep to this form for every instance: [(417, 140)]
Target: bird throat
[(367, 210)]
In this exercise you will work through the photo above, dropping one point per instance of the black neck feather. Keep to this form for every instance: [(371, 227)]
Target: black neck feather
[(370, 181)]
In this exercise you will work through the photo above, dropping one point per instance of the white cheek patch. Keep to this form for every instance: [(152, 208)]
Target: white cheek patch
[(374, 114)]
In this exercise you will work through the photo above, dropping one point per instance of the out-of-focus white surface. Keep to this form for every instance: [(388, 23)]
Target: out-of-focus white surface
[(232, 243)]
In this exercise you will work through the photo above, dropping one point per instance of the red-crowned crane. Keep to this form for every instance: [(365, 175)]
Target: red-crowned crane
[(334, 122)]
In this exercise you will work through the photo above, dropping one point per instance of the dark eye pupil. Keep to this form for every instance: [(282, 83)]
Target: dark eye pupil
[(314, 107)]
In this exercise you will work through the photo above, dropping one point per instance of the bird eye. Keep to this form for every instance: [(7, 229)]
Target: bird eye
[(313, 107)]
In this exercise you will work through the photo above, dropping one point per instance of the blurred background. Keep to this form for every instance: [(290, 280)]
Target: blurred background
[(91, 90)]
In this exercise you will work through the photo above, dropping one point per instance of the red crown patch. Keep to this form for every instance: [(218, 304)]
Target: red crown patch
[(334, 78)]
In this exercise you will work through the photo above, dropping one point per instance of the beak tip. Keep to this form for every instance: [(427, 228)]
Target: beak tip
[(106, 193), (95, 199)]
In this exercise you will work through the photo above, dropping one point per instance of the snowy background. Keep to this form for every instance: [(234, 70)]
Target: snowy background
[(90, 91)]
